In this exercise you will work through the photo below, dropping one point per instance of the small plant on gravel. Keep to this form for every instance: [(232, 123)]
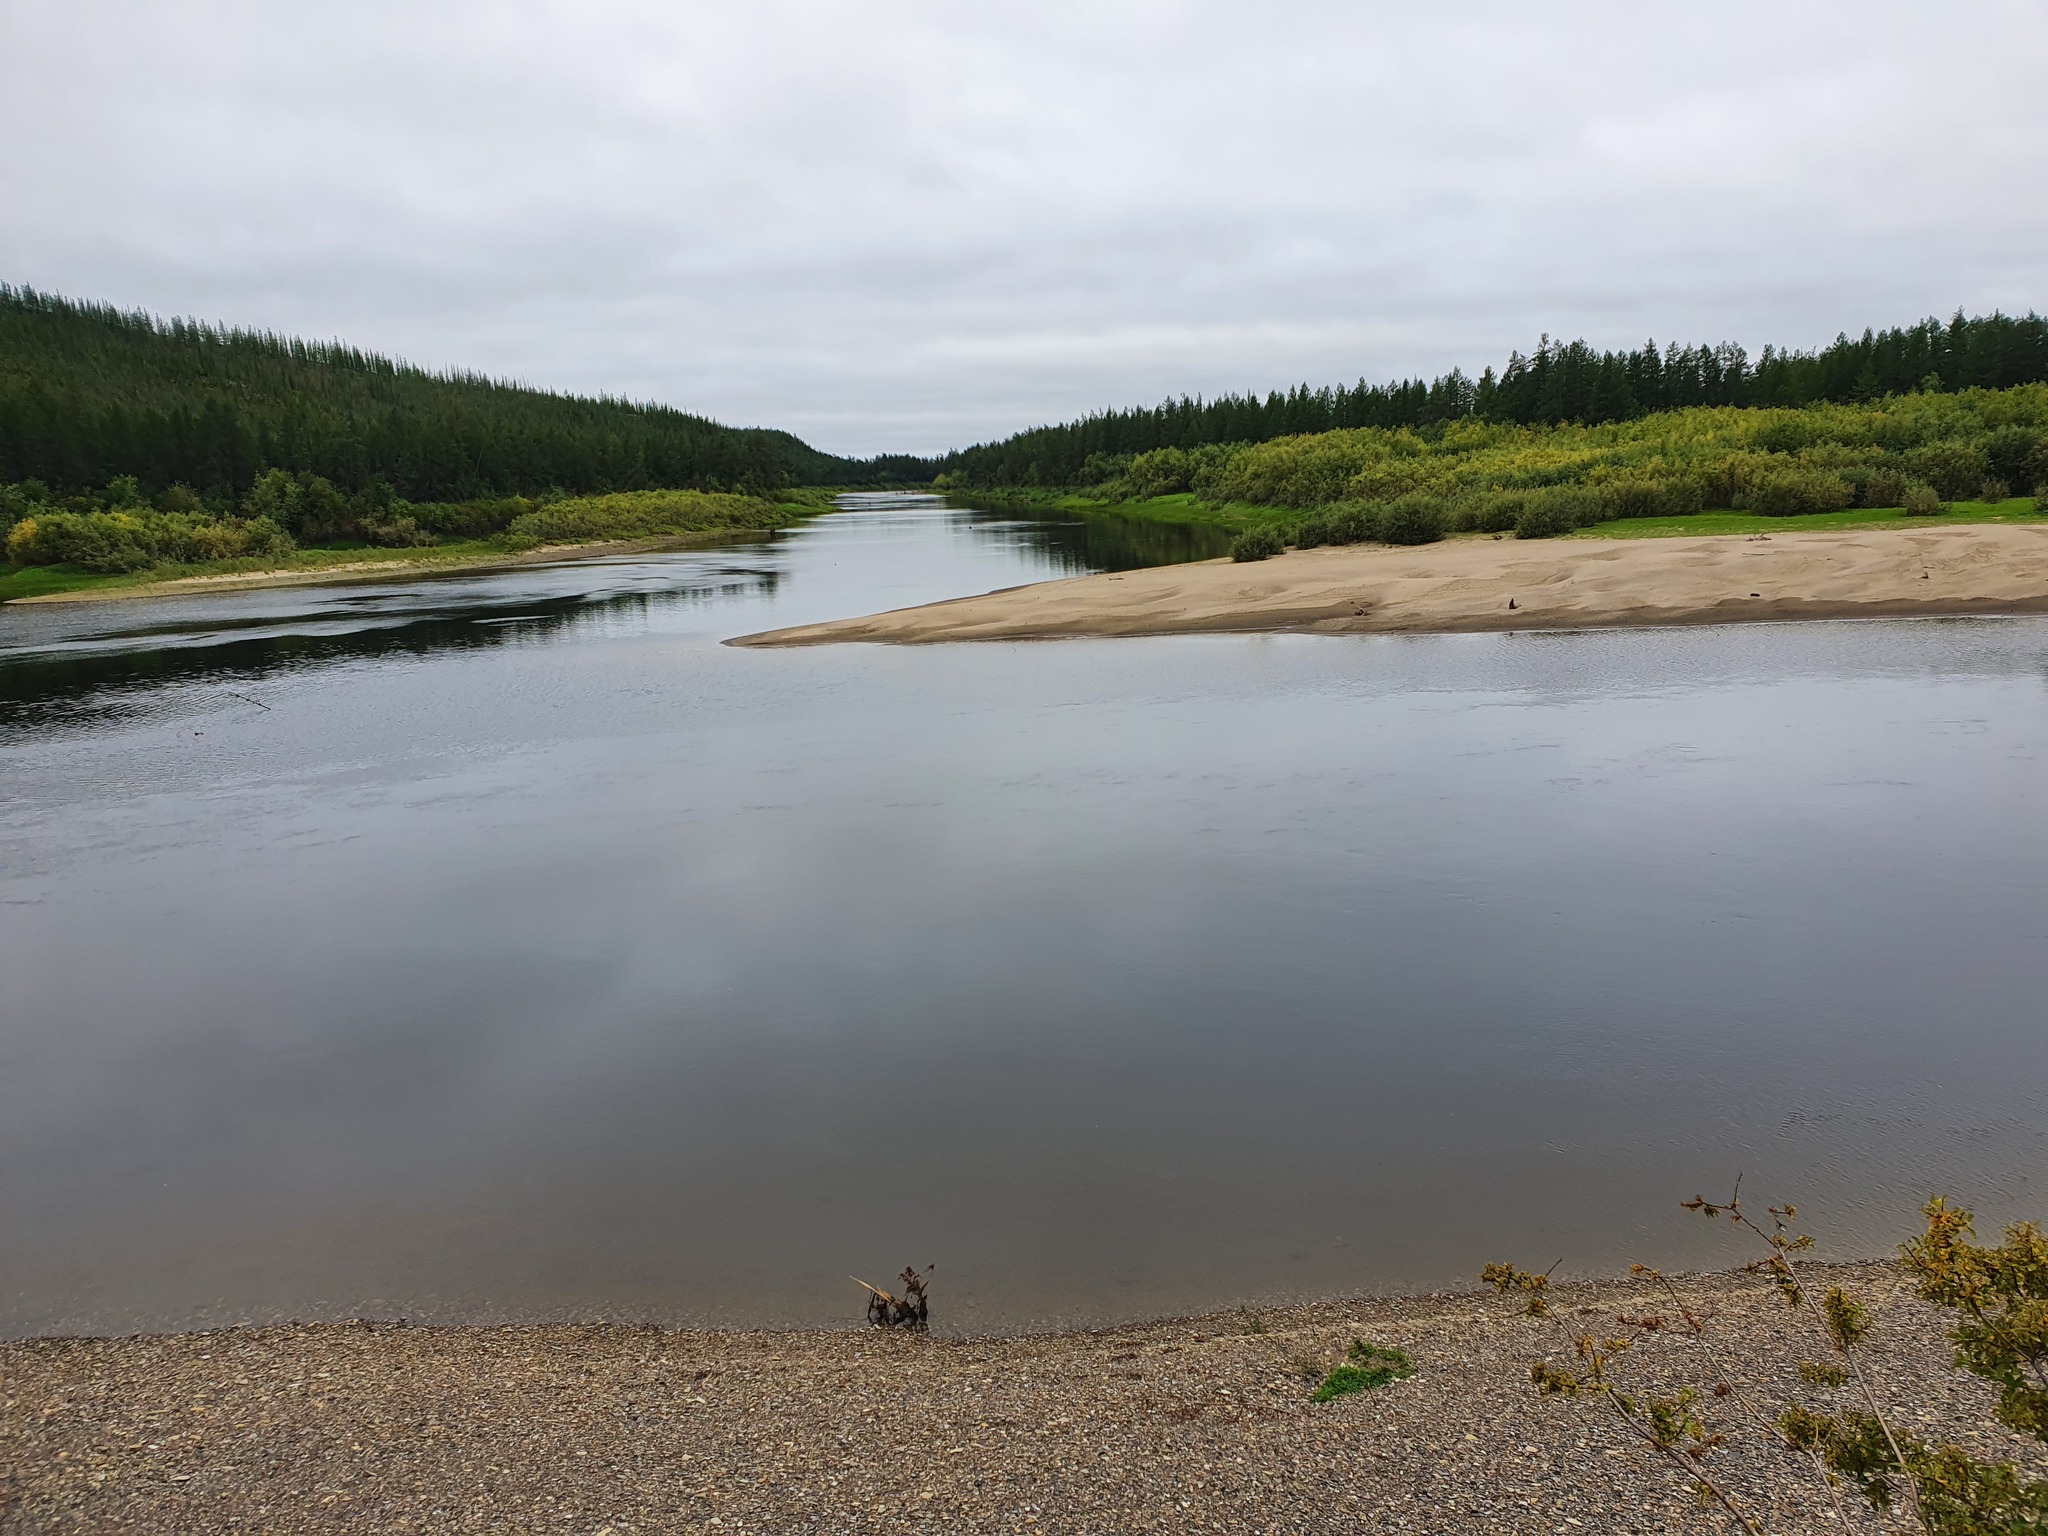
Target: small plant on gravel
[(1369, 1366), (910, 1310), (1999, 1295)]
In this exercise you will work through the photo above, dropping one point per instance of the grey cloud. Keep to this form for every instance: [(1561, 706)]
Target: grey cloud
[(909, 225)]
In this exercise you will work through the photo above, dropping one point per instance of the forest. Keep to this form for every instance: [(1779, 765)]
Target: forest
[(90, 394), (1559, 382)]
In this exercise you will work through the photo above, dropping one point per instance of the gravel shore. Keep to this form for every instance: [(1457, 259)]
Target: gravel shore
[(1190, 1425)]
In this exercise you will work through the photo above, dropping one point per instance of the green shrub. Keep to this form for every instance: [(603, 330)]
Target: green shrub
[(399, 533), (1544, 519), (1920, 500), (1313, 531), (643, 514), (1994, 491), (1793, 492), (1500, 512), (1162, 472), (2010, 452), (1882, 488), (1954, 468), (1413, 520), (1352, 524), (109, 543), (1260, 543)]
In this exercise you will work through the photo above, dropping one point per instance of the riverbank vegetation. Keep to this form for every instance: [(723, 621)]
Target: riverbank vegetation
[(1847, 1425), (1974, 454), (117, 535)]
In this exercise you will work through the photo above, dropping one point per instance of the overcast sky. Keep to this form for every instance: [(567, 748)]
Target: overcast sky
[(906, 226)]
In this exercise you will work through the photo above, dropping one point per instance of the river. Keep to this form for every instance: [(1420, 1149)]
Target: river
[(506, 947)]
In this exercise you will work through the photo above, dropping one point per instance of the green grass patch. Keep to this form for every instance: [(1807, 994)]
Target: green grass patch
[(44, 580), (2020, 509), (1370, 1366)]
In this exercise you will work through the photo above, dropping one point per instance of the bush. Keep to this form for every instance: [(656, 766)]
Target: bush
[(1994, 491), (108, 543), (2041, 497), (1883, 488), (1920, 500), (1413, 520), (1260, 543), (1547, 517), (1500, 513), (2010, 451), (1793, 492), (1162, 472), (643, 514), (1313, 531), (1351, 524), (399, 533), (1954, 469)]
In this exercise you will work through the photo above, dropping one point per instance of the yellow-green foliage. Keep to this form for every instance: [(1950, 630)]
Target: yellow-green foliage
[(1817, 459), (644, 514), (135, 539)]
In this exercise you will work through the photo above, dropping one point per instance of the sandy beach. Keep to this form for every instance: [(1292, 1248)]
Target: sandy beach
[(1202, 1424), (1502, 584), (399, 568)]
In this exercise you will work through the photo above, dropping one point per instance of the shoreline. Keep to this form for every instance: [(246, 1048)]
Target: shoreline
[(1185, 1423), (1466, 585), (398, 567)]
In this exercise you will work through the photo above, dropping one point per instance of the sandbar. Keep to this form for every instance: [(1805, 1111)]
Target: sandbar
[(1478, 584), (403, 567)]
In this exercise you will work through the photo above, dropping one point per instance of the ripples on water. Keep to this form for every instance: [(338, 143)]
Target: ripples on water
[(504, 946)]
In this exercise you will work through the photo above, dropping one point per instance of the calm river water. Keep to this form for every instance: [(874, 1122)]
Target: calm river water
[(506, 947)]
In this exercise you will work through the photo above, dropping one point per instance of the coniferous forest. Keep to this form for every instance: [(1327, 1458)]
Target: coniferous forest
[(89, 393)]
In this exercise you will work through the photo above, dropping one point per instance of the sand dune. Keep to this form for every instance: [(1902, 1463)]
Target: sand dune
[(1499, 584)]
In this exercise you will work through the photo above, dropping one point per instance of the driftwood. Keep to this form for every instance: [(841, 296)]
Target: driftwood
[(910, 1310)]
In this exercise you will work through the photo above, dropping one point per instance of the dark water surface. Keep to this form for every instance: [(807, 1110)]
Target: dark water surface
[(520, 951)]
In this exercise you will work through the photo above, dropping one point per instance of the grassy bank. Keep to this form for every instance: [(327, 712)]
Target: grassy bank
[(142, 545), (2018, 509)]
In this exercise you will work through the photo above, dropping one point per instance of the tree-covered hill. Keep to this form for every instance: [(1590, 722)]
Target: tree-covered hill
[(89, 393), (1559, 382)]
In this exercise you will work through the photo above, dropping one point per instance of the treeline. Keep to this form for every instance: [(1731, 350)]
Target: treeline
[(90, 394), (1559, 382)]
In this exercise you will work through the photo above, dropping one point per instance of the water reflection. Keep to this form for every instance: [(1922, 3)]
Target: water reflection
[(1104, 541), (93, 674), (72, 665)]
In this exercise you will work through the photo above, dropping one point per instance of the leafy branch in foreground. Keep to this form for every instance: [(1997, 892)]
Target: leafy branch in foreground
[(2000, 1294)]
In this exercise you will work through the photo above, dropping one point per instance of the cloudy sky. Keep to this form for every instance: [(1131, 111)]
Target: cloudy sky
[(905, 226)]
